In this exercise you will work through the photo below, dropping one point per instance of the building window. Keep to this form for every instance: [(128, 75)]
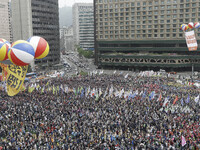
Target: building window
[(193, 4), (187, 15), (168, 6), (181, 6)]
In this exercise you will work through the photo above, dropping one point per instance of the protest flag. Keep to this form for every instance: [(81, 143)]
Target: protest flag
[(176, 99), (183, 141)]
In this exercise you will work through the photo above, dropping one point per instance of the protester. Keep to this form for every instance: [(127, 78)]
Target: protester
[(101, 112)]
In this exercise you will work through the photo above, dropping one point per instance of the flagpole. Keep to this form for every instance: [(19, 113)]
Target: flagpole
[(192, 71)]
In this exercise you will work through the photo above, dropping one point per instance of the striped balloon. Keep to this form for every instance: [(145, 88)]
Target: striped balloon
[(3, 51), (191, 25), (184, 27), (40, 46), (5, 41), (197, 25), (21, 53)]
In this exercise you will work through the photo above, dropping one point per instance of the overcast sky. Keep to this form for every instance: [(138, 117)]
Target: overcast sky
[(63, 3)]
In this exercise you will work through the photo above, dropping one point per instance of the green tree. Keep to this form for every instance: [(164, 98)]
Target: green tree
[(85, 53)]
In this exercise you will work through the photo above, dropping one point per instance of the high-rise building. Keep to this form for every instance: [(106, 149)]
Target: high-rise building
[(38, 18), (83, 25), (144, 33), (66, 39), (5, 25)]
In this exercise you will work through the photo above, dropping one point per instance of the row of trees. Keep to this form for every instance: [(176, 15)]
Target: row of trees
[(85, 53)]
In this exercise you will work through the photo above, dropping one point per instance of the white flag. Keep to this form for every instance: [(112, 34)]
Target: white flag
[(126, 76), (196, 99), (165, 102)]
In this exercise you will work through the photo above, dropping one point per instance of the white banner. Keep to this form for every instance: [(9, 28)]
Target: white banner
[(191, 41)]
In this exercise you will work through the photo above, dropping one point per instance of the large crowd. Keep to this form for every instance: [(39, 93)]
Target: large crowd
[(101, 112)]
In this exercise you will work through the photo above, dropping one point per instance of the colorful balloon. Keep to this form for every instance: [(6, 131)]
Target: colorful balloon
[(5, 41), (3, 51), (191, 25), (21, 53), (196, 24), (40, 46), (184, 27)]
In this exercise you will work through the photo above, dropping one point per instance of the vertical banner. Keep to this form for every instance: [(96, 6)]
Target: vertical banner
[(15, 78), (191, 41)]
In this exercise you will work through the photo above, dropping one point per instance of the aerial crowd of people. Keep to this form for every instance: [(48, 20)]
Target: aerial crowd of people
[(101, 112)]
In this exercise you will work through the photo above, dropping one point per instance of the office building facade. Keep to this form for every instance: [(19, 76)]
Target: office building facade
[(144, 33), (5, 26), (38, 18), (83, 25)]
